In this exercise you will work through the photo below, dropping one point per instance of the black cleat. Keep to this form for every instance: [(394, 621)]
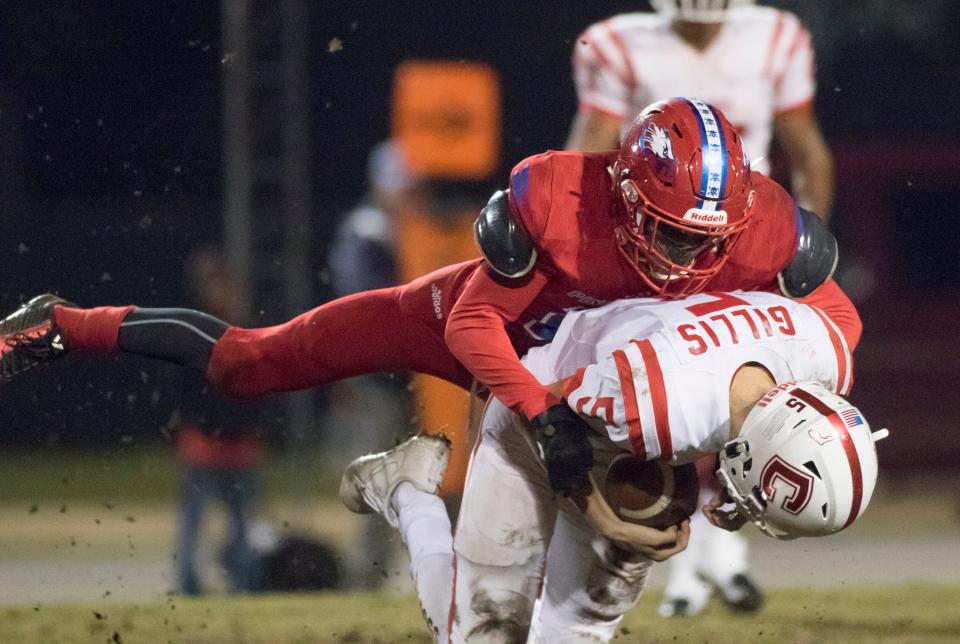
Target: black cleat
[(28, 336), (742, 595)]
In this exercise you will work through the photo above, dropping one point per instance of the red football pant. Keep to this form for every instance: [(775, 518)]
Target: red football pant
[(393, 329)]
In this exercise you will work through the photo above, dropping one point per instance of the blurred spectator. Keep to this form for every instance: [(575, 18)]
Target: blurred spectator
[(363, 257), (218, 443), (757, 65)]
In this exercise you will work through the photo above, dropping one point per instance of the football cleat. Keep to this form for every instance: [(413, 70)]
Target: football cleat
[(369, 482), (742, 594), (28, 336), (690, 603), (676, 607)]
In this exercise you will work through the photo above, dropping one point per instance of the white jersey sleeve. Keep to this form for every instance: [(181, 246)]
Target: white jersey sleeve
[(662, 390), (792, 64), (626, 391), (602, 72)]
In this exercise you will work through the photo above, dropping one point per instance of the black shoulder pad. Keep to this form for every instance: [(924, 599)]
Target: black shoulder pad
[(504, 243), (816, 257)]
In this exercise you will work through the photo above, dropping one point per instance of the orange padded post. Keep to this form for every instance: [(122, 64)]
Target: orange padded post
[(446, 119)]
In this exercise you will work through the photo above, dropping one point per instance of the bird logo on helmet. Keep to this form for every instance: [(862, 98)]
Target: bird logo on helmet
[(804, 463), (707, 11), (657, 140), (685, 181)]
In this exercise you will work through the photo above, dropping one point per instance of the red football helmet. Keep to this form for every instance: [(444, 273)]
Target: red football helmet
[(685, 181)]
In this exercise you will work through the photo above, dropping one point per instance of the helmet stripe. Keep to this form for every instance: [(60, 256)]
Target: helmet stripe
[(713, 173), (846, 440), (723, 152)]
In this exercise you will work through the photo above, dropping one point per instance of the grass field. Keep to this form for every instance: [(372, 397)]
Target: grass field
[(910, 614), (71, 523), (141, 474)]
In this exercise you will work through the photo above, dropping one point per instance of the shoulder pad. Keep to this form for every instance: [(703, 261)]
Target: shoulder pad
[(815, 260), (505, 245)]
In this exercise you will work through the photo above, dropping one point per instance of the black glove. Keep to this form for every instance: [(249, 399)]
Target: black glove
[(566, 449)]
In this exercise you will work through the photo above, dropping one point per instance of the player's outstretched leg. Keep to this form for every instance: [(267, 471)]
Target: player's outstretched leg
[(393, 329), (48, 327), (30, 336), (401, 484)]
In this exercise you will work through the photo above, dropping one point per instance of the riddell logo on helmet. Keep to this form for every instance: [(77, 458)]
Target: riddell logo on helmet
[(772, 394), (699, 216)]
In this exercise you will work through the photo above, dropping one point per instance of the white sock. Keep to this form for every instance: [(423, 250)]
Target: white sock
[(721, 554), (724, 556), (425, 529)]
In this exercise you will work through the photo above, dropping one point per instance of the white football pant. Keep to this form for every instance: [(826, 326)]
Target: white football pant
[(512, 531)]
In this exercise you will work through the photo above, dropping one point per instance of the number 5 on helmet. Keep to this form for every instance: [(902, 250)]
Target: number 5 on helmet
[(804, 463)]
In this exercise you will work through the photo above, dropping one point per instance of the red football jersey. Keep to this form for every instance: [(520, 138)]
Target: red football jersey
[(566, 202)]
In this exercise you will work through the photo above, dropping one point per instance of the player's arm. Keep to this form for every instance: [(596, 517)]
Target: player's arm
[(605, 83), (658, 545), (506, 231), (811, 166), (498, 293), (593, 130), (794, 123), (835, 304), (478, 338)]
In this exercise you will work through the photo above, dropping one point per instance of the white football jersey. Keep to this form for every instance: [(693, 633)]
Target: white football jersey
[(657, 373), (760, 64)]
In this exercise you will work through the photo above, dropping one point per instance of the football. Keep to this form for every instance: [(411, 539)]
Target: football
[(651, 493)]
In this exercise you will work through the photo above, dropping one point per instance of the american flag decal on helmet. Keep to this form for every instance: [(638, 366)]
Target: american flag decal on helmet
[(851, 417), (713, 174)]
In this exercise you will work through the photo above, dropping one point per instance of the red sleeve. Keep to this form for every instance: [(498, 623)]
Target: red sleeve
[(477, 337), (476, 332), (837, 306)]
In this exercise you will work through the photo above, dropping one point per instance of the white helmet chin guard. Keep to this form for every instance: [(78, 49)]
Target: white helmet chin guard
[(710, 11), (804, 464)]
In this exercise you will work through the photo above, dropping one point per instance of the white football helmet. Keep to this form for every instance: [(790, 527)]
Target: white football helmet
[(804, 464), (698, 10)]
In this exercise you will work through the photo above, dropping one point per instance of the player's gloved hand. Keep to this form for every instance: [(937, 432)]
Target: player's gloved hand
[(565, 446)]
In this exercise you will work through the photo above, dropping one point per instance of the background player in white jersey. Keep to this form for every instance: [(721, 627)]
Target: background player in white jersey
[(757, 65), (670, 380)]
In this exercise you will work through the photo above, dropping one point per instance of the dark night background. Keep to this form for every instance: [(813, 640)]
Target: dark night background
[(110, 170)]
